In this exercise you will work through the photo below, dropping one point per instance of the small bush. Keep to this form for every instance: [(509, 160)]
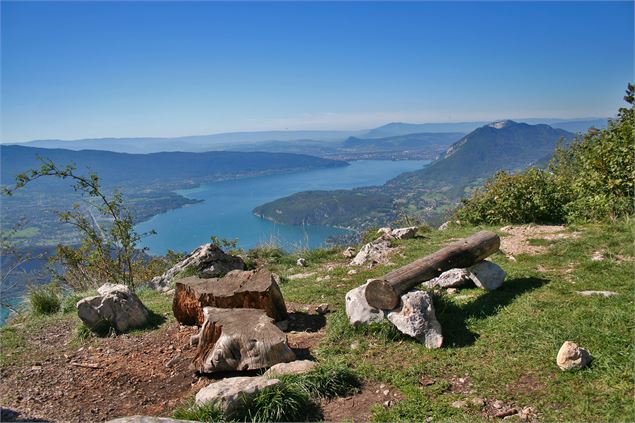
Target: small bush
[(45, 299), (530, 196)]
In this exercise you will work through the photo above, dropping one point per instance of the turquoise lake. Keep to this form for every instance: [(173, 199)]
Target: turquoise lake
[(226, 210)]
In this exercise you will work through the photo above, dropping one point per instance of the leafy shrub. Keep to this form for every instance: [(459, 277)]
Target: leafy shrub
[(590, 180), (45, 299), (531, 196)]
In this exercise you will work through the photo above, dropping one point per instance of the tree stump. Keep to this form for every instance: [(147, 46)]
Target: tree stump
[(238, 289)]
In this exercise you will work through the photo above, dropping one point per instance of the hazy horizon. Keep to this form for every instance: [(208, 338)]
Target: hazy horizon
[(86, 70)]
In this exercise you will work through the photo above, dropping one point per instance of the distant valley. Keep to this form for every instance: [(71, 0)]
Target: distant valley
[(147, 180)]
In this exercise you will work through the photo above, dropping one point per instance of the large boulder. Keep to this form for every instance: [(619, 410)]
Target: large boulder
[(229, 394), (487, 275), (238, 289), (571, 356), (116, 306), (453, 278), (206, 261), (238, 340), (358, 310), (415, 317), (375, 252)]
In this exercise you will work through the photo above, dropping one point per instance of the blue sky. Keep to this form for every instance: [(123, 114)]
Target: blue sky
[(102, 69)]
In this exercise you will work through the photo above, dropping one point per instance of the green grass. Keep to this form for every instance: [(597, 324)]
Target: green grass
[(44, 299), (505, 341), (326, 381), (208, 412)]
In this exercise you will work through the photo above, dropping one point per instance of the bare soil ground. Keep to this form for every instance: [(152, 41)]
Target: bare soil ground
[(517, 241), (357, 407), (147, 373)]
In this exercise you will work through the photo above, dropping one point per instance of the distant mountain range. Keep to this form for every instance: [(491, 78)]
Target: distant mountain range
[(195, 143), (306, 142), (433, 191), (399, 128)]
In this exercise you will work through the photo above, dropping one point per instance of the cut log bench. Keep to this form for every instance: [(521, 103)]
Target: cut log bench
[(384, 293), (238, 289)]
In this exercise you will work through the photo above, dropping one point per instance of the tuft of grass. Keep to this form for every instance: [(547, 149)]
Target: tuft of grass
[(326, 381), (285, 402), (82, 332), (45, 299), (69, 305), (208, 412)]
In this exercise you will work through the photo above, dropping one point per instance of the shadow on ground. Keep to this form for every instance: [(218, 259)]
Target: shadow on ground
[(453, 318)]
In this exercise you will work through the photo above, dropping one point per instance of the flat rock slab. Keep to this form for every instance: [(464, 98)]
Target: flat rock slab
[(297, 367), (116, 305), (416, 317), (238, 289), (229, 394), (239, 339)]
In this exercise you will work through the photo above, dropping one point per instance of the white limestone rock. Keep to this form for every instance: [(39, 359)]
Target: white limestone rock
[(116, 305), (358, 310), (487, 275), (571, 356), (404, 233), (375, 252), (297, 367), (453, 278), (228, 394), (208, 261), (415, 317)]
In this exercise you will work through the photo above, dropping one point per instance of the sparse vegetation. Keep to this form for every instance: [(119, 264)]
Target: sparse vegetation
[(108, 251)]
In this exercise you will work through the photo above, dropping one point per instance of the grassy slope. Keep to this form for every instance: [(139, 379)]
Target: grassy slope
[(504, 342)]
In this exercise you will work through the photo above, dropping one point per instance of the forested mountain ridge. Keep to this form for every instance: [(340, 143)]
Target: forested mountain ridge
[(431, 192)]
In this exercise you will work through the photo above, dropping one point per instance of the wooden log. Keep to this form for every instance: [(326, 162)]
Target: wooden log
[(384, 293)]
